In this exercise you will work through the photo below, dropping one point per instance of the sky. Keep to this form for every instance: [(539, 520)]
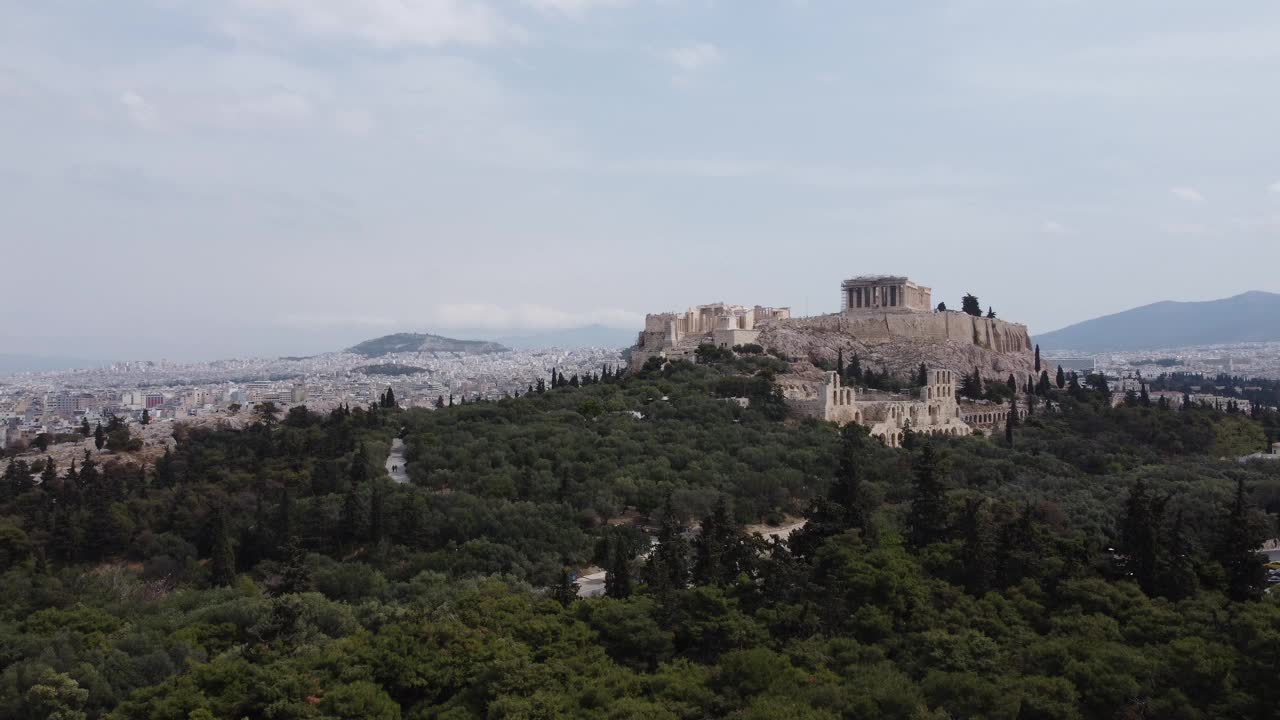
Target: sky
[(197, 178)]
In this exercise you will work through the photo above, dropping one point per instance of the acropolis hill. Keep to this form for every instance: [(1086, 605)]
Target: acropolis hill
[(888, 321)]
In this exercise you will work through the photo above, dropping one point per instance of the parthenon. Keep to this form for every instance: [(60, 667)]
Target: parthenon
[(884, 293)]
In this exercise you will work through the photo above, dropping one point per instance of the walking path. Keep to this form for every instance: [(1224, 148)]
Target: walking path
[(396, 462)]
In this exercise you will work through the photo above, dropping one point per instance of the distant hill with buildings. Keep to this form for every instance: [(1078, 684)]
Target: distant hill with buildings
[(422, 342), (1249, 317)]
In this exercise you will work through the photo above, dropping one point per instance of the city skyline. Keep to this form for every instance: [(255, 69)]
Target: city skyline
[(197, 180)]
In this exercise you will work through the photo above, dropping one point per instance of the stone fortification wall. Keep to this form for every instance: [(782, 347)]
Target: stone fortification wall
[(992, 334)]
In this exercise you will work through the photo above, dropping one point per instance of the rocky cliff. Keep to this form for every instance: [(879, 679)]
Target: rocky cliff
[(899, 342)]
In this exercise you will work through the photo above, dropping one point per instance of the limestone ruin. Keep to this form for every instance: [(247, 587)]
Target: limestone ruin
[(887, 416)]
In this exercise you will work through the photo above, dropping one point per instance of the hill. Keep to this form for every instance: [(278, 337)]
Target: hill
[(421, 342), (1249, 317)]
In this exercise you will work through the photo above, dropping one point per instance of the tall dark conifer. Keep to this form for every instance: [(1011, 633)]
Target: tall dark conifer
[(222, 562), (927, 519)]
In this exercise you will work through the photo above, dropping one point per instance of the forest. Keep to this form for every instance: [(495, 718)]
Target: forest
[(1093, 562)]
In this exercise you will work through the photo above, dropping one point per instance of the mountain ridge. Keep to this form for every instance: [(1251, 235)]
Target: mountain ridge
[(1252, 316)]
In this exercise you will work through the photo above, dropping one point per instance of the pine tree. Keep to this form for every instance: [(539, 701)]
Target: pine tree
[(222, 563), (942, 307), (969, 304), (1037, 357), (927, 519), (1062, 378), (991, 314)]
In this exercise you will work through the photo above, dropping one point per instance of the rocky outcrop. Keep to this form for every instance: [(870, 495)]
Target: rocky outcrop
[(899, 342)]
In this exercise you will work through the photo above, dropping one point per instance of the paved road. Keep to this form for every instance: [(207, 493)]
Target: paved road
[(396, 462)]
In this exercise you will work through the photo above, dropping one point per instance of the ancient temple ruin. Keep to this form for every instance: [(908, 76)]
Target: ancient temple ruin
[(930, 410), (884, 293)]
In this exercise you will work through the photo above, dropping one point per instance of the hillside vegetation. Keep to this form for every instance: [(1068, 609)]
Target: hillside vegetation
[(1103, 566)]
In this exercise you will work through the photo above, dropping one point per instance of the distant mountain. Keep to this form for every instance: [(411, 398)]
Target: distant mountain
[(1251, 317), (588, 336), (418, 342)]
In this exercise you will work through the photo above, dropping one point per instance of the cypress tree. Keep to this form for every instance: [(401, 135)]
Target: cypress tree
[(922, 375), (714, 562), (1011, 421), (840, 363), (1012, 383), (1177, 578), (1037, 357), (565, 591), (978, 552), (1062, 378), (927, 519), (99, 437), (1238, 550), (668, 566), (294, 577), (85, 430), (222, 563), (617, 578), (1139, 540), (351, 512), (49, 476), (1043, 387), (376, 511)]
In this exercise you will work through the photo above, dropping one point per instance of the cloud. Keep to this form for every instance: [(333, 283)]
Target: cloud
[(1052, 227), (1189, 194), (1275, 187), (526, 316), (573, 7), (140, 110), (693, 58), (387, 24)]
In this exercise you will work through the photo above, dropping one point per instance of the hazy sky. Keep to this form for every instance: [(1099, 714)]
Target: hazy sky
[(199, 178)]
